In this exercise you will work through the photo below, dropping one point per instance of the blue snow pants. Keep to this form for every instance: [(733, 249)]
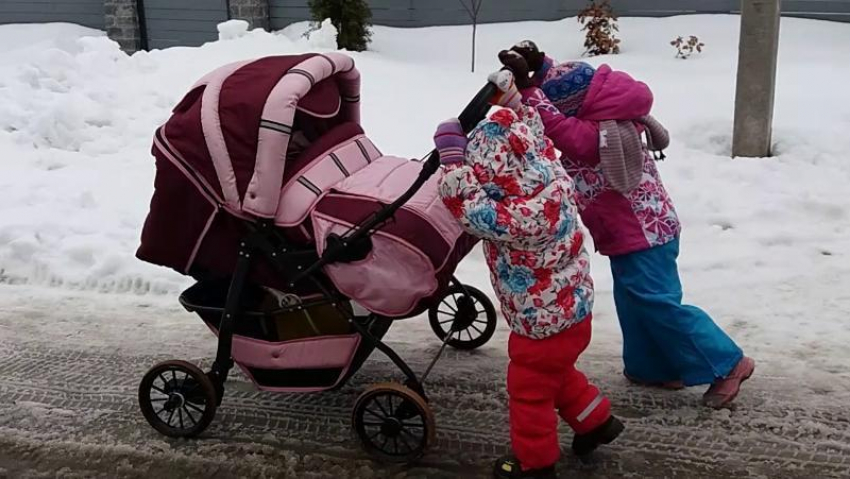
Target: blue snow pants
[(664, 340)]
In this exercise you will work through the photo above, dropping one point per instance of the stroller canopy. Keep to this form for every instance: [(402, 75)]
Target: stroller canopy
[(234, 128)]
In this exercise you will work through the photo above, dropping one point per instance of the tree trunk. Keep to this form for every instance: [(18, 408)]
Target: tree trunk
[(759, 45), (474, 27)]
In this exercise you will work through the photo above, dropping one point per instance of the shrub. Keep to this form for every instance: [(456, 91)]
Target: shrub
[(600, 23), (351, 19), (686, 48)]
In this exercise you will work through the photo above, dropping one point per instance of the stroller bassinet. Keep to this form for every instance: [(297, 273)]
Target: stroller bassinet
[(267, 187)]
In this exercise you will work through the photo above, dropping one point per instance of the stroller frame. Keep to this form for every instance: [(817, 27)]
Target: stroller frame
[(203, 392)]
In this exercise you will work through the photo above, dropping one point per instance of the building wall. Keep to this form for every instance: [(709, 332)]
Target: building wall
[(84, 12), (170, 23), (420, 13), (139, 24)]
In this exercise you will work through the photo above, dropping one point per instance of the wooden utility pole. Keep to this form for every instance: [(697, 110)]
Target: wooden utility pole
[(757, 54)]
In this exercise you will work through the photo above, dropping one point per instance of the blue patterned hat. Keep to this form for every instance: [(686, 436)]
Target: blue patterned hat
[(568, 89)]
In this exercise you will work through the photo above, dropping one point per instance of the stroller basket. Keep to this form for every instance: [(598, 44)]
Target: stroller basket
[(305, 346)]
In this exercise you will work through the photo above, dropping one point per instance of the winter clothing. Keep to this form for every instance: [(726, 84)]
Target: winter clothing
[(532, 55), (514, 62), (542, 378), (509, 467), (724, 391), (567, 85), (622, 153), (669, 385), (508, 94), (584, 444), (450, 142), (631, 218), (619, 224), (658, 137), (664, 340), (512, 192)]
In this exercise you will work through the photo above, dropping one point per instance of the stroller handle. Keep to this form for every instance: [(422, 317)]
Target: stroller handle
[(351, 246), (477, 108), (474, 112)]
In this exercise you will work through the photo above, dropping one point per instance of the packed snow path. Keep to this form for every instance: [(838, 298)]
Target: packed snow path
[(71, 362)]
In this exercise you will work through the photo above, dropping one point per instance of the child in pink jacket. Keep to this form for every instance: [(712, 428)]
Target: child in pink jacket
[(506, 186), (596, 118)]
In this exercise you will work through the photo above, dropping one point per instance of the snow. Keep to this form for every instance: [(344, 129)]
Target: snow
[(765, 247), (232, 29)]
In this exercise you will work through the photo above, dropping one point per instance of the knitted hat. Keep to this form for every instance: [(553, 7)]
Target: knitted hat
[(568, 89)]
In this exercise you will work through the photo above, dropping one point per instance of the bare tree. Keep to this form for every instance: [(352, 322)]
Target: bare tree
[(472, 8)]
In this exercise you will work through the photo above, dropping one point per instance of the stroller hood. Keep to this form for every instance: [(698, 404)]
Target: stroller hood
[(235, 124)]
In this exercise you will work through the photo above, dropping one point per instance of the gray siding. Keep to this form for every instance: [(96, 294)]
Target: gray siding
[(182, 22), (83, 12), (419, 13), (193, 22), (838, 10)]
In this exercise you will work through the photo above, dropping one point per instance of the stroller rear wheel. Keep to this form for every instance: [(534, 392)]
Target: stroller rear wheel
[(177, 399), (393, 422), (472, 316)]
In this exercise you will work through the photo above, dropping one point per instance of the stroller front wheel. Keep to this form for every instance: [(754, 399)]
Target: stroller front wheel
[(470, 314), (177, 399), (393, 422)]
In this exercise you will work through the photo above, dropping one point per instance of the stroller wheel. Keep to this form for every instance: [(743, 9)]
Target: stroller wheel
[(472, 316), (177, 399), (393, 423)]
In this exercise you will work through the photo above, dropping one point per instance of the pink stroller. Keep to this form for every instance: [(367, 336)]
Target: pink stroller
[(306, 242)]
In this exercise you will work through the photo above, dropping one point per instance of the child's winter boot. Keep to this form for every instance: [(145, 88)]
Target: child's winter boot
[(725, 390), (585, 444), (509, 467), (670, 385)]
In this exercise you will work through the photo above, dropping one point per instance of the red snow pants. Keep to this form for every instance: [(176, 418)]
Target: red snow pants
[(542, 378)]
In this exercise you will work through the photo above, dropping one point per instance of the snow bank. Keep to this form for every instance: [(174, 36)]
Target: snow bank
[(232, 29)]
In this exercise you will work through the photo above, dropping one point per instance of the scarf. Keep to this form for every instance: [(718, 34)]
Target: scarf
[(622, 153)]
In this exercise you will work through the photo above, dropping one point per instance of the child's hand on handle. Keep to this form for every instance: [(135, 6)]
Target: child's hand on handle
[(508, 96), (517, 64), (450, 142), (534, 58)]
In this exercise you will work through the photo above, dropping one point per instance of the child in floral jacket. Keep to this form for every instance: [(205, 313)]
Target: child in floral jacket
[(595, 117), (506, 186)]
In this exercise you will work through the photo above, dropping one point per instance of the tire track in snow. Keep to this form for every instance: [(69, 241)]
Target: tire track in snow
[(667, 434)]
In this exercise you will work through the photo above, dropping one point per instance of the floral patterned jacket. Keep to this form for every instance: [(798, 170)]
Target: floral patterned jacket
[(620, 224), (512, 192)]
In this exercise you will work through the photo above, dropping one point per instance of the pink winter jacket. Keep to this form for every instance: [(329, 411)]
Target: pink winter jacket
[(619, 224)]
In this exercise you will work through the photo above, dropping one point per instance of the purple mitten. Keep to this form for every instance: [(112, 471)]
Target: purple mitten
[(450, 142)]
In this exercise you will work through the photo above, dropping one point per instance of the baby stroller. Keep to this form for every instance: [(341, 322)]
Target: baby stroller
[(306, 242)]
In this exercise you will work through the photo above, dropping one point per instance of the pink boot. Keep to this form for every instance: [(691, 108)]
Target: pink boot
[(724, 391), (671, 385)]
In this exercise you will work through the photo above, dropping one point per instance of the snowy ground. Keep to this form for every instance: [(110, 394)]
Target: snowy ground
[(765, 247)]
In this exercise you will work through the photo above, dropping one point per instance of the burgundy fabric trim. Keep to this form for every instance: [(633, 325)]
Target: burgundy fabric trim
[(329, 140), (185, 138), (363, 150), (407, 226)]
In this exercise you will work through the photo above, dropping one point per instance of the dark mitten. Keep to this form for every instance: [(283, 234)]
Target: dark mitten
[(533, 56), (514, 62)]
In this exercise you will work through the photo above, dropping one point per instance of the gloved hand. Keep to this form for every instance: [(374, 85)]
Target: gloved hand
[(514, 62), (533, 56), (508, 95), (450, 142)]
